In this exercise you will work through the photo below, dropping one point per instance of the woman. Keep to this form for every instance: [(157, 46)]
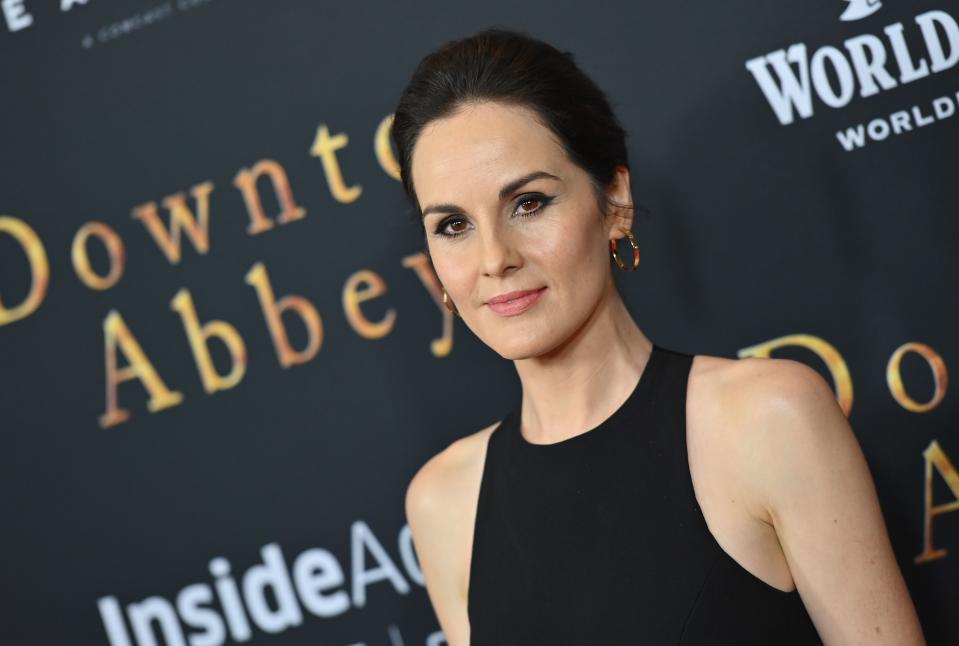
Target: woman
[(638, 494)]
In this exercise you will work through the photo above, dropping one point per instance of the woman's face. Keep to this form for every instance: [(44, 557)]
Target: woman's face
[(490, 233)]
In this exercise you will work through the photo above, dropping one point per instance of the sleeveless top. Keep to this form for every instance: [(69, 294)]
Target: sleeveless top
[(598, 539)]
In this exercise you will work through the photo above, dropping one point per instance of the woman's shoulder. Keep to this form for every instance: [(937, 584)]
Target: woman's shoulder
[(440, 503), (757, 412), (757, 381), (450, 478)]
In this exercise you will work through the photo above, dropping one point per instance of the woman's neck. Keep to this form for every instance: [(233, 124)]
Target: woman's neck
[(579, 384)]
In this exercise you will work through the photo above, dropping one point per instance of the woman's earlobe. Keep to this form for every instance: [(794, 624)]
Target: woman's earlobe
[(626, 216), (622, 221)]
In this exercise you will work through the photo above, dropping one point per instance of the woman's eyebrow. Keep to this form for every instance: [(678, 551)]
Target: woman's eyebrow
[(503, 192)]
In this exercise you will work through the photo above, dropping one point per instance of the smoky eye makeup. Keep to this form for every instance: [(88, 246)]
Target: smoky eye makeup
[(444, 222), (544, 200)]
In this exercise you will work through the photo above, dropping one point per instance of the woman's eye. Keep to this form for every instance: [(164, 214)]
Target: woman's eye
[(539, 200), (449, 227), (456, 225), (527, 211)]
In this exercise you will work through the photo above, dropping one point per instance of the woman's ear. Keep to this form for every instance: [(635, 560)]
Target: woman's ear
[(620, 203)]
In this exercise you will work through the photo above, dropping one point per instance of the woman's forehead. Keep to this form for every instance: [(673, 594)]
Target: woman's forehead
[(485, 142)]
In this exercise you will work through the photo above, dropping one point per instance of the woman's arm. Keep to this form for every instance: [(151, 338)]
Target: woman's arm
[(440, 507), (809, 473)]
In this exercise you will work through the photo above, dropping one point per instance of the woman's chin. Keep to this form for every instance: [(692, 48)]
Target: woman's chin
[(522, 347)]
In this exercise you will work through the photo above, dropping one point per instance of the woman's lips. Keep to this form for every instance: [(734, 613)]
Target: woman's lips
[(517, 305)]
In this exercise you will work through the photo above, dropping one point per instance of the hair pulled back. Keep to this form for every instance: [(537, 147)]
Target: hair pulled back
[(511, 67)]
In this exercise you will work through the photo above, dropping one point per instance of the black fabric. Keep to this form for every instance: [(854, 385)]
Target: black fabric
[(598, 539)]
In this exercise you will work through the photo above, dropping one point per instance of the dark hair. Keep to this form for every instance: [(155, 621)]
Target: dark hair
[(512, 67)]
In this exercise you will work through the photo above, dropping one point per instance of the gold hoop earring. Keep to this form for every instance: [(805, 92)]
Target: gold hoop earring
[(449, 304), (619, 262)]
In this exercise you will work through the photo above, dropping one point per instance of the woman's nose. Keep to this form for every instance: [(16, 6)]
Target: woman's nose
[(499, 253)]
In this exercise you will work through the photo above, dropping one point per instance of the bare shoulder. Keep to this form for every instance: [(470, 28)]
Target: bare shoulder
[(440, 505), (802, 463), (779, 382), (791, 426), (752, 377), (781, 405), (442, 479), (746, 408), (745, 390), (735, 434)]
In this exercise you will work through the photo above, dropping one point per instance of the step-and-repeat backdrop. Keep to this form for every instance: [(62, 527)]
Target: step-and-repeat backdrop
[(222, 351)]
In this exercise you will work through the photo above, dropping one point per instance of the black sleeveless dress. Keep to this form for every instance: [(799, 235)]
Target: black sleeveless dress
[(599, 540)]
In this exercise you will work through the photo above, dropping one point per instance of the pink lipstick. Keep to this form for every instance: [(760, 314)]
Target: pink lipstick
[(513, 303)]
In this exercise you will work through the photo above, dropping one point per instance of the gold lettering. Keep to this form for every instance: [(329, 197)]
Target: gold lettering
[(181, 219), (834, 361), (354, 293), (115, 331), (442, 346), (39, 268), (383, 149), (199, 337), (246, 180), (325, 147), (81, 261), (894, 377), (936, 457), (273, 311)]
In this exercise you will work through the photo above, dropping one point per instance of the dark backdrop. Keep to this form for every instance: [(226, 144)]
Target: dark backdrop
[(799, 203)]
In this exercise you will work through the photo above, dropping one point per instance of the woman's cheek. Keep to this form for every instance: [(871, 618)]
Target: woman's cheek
[(552, 239), (454, 272)]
